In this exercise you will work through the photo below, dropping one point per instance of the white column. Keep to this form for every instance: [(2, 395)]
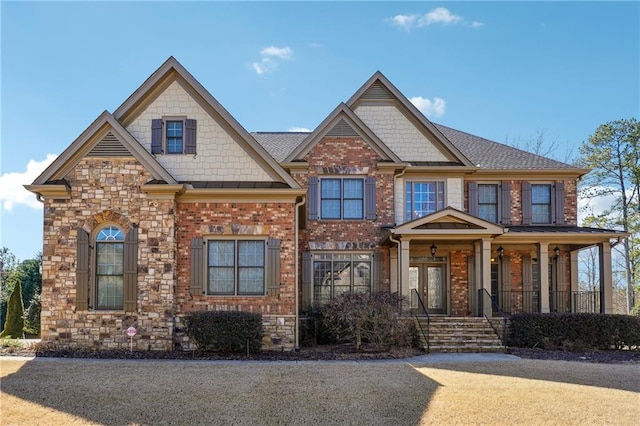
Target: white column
[(543, 273), (606, 279), (573, 282), (404, 269), (486, 276), (393, 265), (477, 275)]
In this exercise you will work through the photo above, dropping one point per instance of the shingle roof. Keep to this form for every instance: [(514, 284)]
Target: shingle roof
[(482, 152)]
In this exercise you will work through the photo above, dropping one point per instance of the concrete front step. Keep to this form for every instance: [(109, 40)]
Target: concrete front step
[(448, 334)]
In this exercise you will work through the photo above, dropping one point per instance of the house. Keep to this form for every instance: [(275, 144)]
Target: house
[(168, 205)]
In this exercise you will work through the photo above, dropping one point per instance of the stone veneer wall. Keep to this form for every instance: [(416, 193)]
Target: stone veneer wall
[(275, 220), (107, 191)]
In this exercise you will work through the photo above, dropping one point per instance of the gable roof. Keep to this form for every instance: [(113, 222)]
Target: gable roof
[(342, 121), (448, 222), (89, 140), (379, 87), (170, 71)]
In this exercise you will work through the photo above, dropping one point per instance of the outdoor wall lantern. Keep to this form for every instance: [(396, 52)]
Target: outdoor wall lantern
[(433, 250), (556, 252), (500, 252)]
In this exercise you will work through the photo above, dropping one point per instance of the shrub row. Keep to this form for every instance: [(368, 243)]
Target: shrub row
[(225, 331), (574, 331)]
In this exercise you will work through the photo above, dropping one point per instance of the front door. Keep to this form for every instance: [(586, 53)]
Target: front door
[(429, 279)]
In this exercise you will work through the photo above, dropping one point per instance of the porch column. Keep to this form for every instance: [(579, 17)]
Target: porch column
[(477, 275), (486, 275), (573, 281), (404, 269), (606, 279), (543, 273), (393, 265)]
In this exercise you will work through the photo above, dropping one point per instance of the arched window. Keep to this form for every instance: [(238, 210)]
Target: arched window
[(109, 268)]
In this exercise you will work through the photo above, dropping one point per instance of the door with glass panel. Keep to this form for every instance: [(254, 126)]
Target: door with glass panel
[(429, 280)]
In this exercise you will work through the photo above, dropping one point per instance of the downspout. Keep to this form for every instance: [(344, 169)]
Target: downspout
[(297, 324)]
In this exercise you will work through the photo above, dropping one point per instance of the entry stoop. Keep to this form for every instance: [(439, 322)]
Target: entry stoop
[(459, 334)]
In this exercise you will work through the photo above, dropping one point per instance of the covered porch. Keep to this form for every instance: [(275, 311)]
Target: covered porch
[(453, 264)]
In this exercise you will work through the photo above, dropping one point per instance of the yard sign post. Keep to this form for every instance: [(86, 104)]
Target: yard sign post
[(131, 331)]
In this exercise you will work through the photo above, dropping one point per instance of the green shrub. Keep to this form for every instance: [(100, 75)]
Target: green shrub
[(225, 331), (574, 331), (363, 318), (15, 315)]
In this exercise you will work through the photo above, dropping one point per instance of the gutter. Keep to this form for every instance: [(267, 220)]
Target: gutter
[(295, 274)]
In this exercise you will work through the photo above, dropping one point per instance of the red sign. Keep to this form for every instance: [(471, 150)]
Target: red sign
[(131, 331)]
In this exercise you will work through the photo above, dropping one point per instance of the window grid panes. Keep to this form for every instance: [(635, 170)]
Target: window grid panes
[(423, 198), (110, 268), (541, 203), (488, 202), (174, 137), (236, 267), (340, 273), (342, 198)]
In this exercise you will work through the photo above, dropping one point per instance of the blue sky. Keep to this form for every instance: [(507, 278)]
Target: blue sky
[(501, 70)]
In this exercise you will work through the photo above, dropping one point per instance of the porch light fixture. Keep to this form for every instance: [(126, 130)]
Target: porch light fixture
[(500, 252), (556, 252), (433, 249)]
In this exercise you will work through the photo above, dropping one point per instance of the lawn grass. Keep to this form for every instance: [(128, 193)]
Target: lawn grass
[(73, 391)]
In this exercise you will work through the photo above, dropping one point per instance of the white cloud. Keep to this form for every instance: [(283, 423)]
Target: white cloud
[(11, 190), (430, 108), (298, 129), (403, 21), (267, 63), (439, 15)]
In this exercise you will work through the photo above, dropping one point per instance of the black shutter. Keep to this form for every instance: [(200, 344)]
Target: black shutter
[(190, 136), (312, 195), (82, 270), (197, 267), (156, 136), (559, 203), (307, 287), (473, 199), (370, 198), (505, 203), (273, 267), (377, 275), (526, 203), (131, 270)]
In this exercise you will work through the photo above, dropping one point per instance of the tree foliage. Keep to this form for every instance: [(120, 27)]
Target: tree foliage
[(613, 154), (14, 324)]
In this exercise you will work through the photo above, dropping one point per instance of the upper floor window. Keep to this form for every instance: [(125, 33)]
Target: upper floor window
[(341, 198), (109, 278), (346, 198), (541, 203), (173, 135), (488, 202), (423, 198)]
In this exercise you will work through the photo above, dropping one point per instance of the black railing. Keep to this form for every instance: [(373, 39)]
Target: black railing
[(421, 309), (586, 301), (486, 300), (513, 302)]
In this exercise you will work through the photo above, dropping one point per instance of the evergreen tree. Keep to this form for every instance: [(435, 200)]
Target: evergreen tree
[(14, 323)]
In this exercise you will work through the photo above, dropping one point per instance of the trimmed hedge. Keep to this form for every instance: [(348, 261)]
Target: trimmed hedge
[(574, 331), (225, 331), (14, 323)]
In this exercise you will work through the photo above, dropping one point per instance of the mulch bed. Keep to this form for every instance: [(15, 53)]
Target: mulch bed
[(322, 352)]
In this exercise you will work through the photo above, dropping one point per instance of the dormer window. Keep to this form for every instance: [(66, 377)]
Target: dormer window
[(174, 133)]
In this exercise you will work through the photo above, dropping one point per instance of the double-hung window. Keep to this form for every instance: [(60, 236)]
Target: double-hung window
[(342, 198), (339, 273), (488, 202), (109, 268), (174, 136), (236, 267), (423, 198), (541, 203)]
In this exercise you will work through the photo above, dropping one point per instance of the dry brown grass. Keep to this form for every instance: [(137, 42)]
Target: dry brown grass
[(55, 391)]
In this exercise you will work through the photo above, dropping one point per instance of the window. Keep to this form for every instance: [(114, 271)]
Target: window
[(342, 198), (109, 268), (339, 273), (235, 267), (488, 202), (174, 137), (541, 203), (423, 198)]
